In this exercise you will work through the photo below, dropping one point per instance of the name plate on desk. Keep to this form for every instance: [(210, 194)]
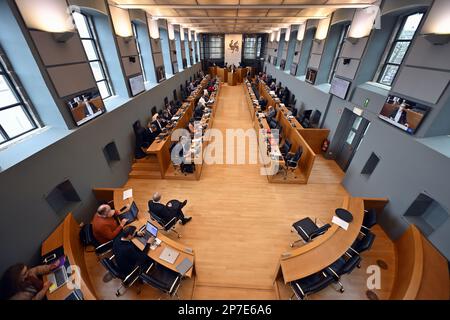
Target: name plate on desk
[(341, 223)]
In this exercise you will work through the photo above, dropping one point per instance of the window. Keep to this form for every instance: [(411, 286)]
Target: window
[(15, 117), (342, 37), (258, 47), (250, 48), (87, 35), (399, 48), (216, 44), (135, 32)]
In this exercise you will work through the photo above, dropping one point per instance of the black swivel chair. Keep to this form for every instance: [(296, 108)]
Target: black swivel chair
[(291, 161), (308, 230), (167, 226), (285, 148), (305, 115), (369, 220), (341, 267), (104, 249), (127, 280), (362, 244), (162, 278), (314, 283)]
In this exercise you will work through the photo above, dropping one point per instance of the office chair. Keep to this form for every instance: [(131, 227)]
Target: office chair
[(308, 230), (103, 249), (167, 226), (314, 119), (361, 244), (140, 147), (311, 284), (285, 148), (162, 278), (291, 161), (305, 115), (127, 280), (153, 111), (369, 220), (343, 266)]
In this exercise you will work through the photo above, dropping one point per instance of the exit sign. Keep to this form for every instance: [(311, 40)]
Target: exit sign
[(366, 103)]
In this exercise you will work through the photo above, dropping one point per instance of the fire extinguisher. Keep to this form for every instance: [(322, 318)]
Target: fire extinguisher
[(325, 145)]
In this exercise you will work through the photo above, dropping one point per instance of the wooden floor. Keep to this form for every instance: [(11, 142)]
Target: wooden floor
[(241, 224)]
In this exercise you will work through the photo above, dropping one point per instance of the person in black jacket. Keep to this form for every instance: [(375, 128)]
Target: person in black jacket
[(127, 255), (150, 133), (167, 212)]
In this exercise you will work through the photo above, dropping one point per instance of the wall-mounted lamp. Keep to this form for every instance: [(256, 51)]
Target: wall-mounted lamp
[(153, 28), (121, 22), (346, 61), (436, 28), (46, 15), (322, 29), (296, 53), (287, 35), (362, 23), (301, 32)]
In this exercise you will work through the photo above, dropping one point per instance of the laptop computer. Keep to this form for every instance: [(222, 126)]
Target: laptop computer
[(58, 278), (131, 214), (149, 230), (169, 255)]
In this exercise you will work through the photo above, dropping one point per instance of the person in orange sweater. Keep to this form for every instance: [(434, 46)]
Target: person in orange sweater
[(104, 224)]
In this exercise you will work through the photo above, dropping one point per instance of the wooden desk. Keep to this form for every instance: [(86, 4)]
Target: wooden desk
[(325, 249), (222, 73), (116, 194), (232, 78), (67, 236), (161, 148), (421, 272)]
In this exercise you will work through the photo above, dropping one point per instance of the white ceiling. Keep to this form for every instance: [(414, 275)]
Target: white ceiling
[(239, 16)]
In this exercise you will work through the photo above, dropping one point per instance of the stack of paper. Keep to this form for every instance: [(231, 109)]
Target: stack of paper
[(341, 223)]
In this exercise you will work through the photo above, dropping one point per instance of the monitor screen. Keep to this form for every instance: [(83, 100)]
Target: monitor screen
[(402, 113), (134, 210), (275, 61), (311, 75), (282, 64), (294, 69), (339, 87), (175, 67), (160, 74), (152, 229), (86, 106), (136, 84)]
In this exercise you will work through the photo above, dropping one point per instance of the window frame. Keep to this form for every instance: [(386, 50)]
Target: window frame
[(21, 102), (392, 44), (100, 60), (138, 49), (250, 52), (337, 55)]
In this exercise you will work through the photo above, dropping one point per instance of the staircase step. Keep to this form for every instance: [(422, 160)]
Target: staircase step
[(145, 166), (139, 174), (148, 159)]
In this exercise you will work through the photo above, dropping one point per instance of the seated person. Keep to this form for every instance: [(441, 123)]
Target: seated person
[(262, 103), (191, 87), (104, 224), (150, 133), (399, 115), (271, 113), (159, 122), (191, 126), (166, 116), (205, 101), (167, 212), (22, 283), (127, 255), (273, 86)]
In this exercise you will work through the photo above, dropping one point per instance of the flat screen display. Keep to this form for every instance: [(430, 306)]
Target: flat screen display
[(175, 67), (339, 87), (311, 75), (274, 61), (282, 64), (403, 114), (136, 84), (86, 106), (294, 69)]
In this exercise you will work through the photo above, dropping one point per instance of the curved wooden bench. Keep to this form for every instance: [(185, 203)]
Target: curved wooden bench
[(421, 271)]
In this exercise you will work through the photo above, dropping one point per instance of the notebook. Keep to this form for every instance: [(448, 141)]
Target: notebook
[(169, 255), (184, 266)]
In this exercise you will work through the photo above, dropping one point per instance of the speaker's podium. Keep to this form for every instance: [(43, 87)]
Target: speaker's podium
[(232, 78)]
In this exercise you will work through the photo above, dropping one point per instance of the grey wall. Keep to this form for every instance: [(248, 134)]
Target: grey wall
[(78, 157)]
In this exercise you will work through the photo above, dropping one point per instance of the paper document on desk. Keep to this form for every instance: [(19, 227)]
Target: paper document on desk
[(341, 223), (128, 194)]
